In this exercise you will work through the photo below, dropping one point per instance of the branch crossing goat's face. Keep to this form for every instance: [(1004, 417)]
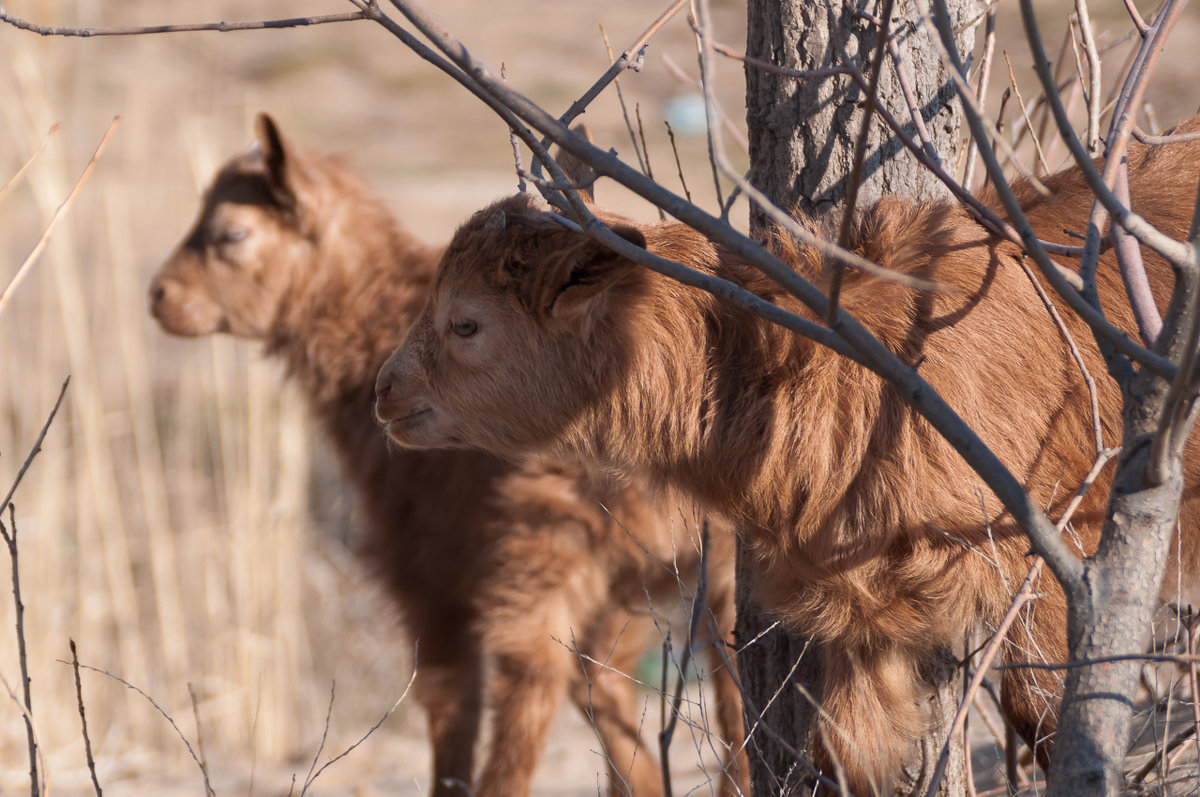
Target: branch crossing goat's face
[(505, 350)]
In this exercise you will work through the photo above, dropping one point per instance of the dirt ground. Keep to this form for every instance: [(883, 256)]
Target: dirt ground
[(186, 102)]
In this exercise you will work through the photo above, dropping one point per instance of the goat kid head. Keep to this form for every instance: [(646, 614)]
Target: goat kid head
[(232, 270), (517, 338)]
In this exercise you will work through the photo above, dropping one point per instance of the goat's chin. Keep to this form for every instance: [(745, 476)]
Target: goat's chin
[(186, 326), (419, 429)]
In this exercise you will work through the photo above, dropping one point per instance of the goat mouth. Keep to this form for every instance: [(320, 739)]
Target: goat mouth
[(395, 425)]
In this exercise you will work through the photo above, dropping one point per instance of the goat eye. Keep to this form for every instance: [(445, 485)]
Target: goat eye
[(464, 327), (229, 236)]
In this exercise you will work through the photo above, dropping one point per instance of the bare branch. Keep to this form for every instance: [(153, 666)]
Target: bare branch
[(200, 738), (699, 601), (910, 100), (1024, 595), (1177, 138), (678, 166), (637, 150), (712, 132), (22, 652), (1089, 312), (1093, 396), (1037, 144), (220, 27), (631, 58), (958, 76), (985, 71), (516, 148), (986, 216), (37, 446), (1094, 80), (1133, 270), (87, 743), (860, 152), (170, 720), (370, 730), (1136, 17), (683, 78), (1171, 250)]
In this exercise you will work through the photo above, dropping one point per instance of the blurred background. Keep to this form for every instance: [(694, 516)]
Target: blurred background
[(184, 524)]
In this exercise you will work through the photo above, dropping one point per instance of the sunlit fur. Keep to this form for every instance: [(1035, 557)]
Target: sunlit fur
[(498, 569), (868, 530)]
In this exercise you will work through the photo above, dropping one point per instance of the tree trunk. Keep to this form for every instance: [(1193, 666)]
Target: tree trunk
[(1113, 614), (802, 139)]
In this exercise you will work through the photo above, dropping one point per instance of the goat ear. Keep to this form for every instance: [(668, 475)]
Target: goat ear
[(576, 170), (587, 270), (280, 162)]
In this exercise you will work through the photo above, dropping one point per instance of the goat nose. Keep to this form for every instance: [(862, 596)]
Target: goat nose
[(383, 387), (157, 293)]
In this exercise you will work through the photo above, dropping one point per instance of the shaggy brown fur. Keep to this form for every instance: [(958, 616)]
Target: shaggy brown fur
[(870, 531), (490, 563)]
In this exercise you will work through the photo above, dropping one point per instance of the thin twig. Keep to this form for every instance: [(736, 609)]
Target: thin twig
[(1093, 90), (1037, 144), (324, 736), (637, 150), (1093, 396), (860, 153), (630, 59), (1174, 743), (933, 26), (910, 100), (314, 775), (199, 737), (23, 271), (981, 87), (712, 129), (699, 602), (730, 127), (678, 166), (1171, 250), (1118, 339), (12, 695), (87, 742), (637, 112), (1133, 269), (203, 770), (1193, 632), (984, 214), (1175, 138), (22, 653), (37, 446), (1136, 17), (220, 27), (516, 147), (1024, 595)]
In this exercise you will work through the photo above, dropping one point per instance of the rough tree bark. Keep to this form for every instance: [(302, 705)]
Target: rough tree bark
[(802, 139)]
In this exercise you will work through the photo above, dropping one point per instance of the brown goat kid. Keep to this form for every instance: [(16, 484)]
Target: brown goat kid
[(496, 568), (870, 531)]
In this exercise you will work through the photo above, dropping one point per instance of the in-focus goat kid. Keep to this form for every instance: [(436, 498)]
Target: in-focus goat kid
[(869, 531), (496, 568)]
